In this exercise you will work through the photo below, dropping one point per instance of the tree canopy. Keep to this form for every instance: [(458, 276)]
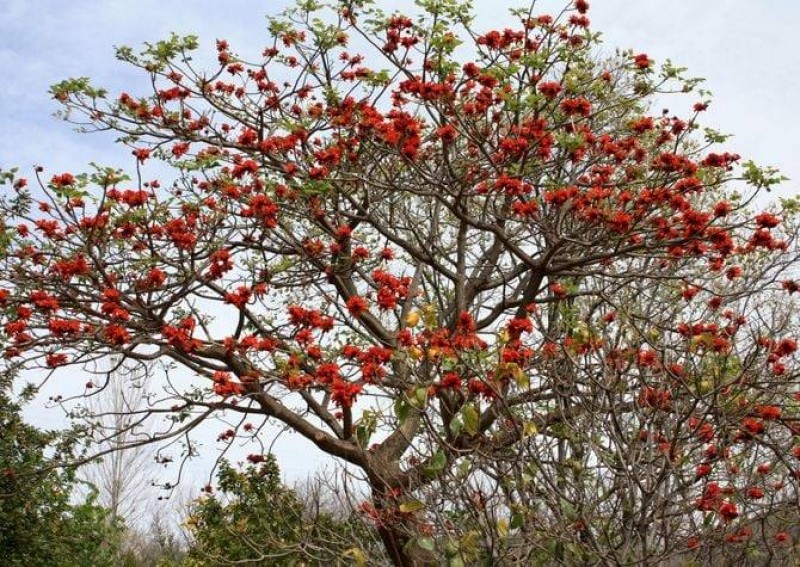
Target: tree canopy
[(545, 322)]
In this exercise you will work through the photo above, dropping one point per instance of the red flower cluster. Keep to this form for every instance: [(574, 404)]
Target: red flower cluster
[(68, 269), (576, 106), (391, 289), (180, 336), (309, 318), (62, 328), (225, 386), (220, 263), (239, 297), (263, 208), (116, 335), (357, 306), (44, 300)]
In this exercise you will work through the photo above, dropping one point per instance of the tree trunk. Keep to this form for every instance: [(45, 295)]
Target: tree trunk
[(397, 535), (397, 530)]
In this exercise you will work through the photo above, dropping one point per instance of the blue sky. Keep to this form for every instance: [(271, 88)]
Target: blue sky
[(746, 51)]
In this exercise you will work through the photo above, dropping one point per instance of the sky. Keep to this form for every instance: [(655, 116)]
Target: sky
[(745, 50)]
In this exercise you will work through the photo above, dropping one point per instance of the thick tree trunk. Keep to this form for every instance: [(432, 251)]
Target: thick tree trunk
[(397, 531), (397, 536), (395, 545)]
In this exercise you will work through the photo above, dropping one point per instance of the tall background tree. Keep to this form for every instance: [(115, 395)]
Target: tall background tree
[(124, 479), (465, 262)]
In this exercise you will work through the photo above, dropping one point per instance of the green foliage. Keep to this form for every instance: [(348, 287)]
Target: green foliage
[(79, 86), (39, 525), (254, 517), (762, 177)]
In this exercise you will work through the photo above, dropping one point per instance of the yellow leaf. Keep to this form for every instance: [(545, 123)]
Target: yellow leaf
[(412, 319), (521, 378), (470, 416), (429, 315), (411, 506), (358, 555)]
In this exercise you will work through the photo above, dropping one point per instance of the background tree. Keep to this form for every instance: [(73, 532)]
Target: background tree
[(39, 523), (254, 518), (466, 260), (123, 479)]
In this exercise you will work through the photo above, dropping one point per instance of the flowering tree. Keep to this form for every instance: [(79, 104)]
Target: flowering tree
[(472, 264)]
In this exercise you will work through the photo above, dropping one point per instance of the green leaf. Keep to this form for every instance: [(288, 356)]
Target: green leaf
[(437, 464), (426, 543), (420, 397), (471, 418), (456, 426)]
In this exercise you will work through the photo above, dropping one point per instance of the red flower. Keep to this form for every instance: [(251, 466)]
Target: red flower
[(733, 272), (710, 498), (785, 347), (782, 537), (142, 154), (64, 327), (116, 335), (224, 386), (558, 290), (580, 106), (54, 360), (790, 286), (768, 412), (689, 292), (550, 89), (239, 297), (643, 125), (728, 511), (647, 357), (344, 393), (44, 300), (755, 492), (703, 469), (767, 220), (451, 380), (642, 61), (63, 180), (620, 222), (655, 398), (753, 426), (447, 133), (154, 278), (357, 306)]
